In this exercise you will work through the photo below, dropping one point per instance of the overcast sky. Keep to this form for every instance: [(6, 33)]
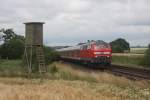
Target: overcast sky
[(68, 22)]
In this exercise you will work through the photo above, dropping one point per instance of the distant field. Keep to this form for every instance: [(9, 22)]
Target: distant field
[(138, 50), (133, 52), (128, 54)]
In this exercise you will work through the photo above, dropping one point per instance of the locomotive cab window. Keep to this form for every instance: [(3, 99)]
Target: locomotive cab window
[(84, 47)]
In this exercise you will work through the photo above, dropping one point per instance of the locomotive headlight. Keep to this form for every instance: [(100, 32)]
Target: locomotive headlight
[(98, 53)]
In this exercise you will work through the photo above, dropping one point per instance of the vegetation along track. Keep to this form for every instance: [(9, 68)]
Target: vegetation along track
[(128, 72), (132, 73)]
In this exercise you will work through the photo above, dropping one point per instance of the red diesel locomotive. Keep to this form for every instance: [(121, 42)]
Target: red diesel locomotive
[(92, 52)]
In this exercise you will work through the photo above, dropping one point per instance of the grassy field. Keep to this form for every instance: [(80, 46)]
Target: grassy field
[(69, 82), (24, 89), (51, 90), (11, 68), (15, 68), (138, 50), (132, 59), (127, 60)]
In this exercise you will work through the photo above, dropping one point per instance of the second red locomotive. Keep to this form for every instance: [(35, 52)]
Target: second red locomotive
[(93, 52)]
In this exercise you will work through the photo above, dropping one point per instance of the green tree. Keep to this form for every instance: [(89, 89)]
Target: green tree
[(120, 45), (8, 34), (13, 46), (12, 50)]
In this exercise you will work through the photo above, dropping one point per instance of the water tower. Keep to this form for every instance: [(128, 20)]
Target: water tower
[(34, 46)]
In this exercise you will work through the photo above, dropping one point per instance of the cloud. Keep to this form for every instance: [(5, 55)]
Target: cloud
[(73, 21)]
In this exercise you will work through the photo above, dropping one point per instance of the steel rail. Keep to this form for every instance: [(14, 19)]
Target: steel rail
[(129, 72)]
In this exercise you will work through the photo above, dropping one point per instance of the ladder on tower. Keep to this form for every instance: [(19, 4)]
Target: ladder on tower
[(41, 59)]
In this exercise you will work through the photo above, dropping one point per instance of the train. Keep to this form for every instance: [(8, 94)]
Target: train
[(91, 52)]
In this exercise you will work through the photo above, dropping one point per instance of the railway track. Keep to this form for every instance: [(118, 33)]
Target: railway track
[(132, 73)]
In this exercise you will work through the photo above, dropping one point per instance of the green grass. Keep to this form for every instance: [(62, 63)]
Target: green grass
[(127, 60), (66, 75), (11, 68), (10, 64), (69, 76), (15, 68)]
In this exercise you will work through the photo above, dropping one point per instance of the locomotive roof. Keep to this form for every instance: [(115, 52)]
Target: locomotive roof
[(69, 48)]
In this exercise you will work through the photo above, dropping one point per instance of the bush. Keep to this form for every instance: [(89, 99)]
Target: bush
[(12, 50), (50, 55), (53, 69), (146, 59)]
